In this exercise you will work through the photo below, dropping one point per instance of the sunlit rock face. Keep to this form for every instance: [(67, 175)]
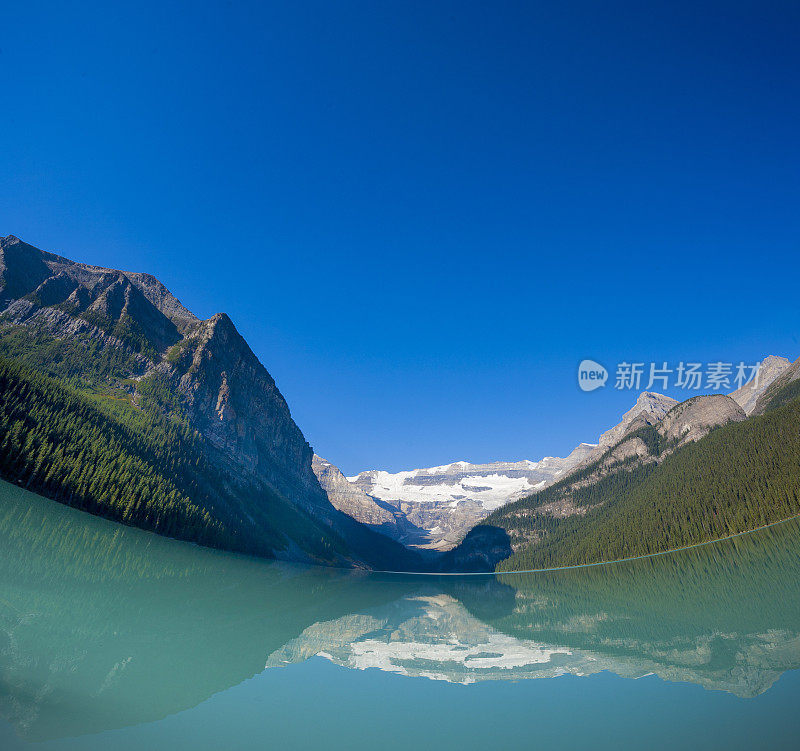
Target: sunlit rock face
[(694, 418), (650, 407), (350, 499), (785, 381), (747, 396)]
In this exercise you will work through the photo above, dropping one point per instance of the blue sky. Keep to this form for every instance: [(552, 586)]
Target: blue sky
[(422, 216)]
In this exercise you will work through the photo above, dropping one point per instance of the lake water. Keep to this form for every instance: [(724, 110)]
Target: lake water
[(112, 638)]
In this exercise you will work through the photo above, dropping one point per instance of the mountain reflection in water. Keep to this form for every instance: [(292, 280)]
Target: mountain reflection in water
[(103, 626)]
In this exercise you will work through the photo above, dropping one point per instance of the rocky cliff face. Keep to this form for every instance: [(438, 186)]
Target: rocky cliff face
[(126, 335), (353, 501), (747, 396), (770, 368), (649, 409), (694, 418), (235, 403)]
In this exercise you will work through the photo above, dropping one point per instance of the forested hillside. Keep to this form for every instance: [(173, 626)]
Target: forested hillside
[(740, 476), (139, 467)]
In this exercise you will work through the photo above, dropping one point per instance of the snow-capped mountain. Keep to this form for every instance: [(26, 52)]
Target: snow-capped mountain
[(442, 503)]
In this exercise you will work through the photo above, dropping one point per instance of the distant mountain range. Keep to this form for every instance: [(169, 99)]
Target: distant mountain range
[(116, 399), (434, 508)]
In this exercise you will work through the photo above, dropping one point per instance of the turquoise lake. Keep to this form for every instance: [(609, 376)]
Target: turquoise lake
[(112, 638)]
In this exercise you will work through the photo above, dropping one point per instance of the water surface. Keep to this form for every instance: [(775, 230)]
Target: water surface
[(115, 638)]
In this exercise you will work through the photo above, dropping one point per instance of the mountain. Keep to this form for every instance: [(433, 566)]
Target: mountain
[(784, 388), (434, 508), (770, 368), (704, 470), (438, 505), (353, 501), (696, 417), (650, 407), (118, 400)]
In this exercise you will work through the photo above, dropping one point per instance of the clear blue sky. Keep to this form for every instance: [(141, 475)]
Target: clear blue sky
[(422, 215)]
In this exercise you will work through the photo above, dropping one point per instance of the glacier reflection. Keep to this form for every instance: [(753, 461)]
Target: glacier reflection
[(724, 616)]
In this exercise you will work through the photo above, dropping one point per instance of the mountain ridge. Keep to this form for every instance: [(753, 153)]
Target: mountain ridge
[(441, 504), (704, 470)]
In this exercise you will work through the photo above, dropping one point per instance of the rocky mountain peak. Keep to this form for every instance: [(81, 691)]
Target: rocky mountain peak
[(353, 501), (767, 397), (206, 367), (649, 404), (22, 268), (28, 271), (771, 368)]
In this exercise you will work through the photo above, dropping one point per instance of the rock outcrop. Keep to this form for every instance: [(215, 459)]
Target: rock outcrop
[(694, 418), (350, 499), (783, 387), (650, 407), (747, 396)]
